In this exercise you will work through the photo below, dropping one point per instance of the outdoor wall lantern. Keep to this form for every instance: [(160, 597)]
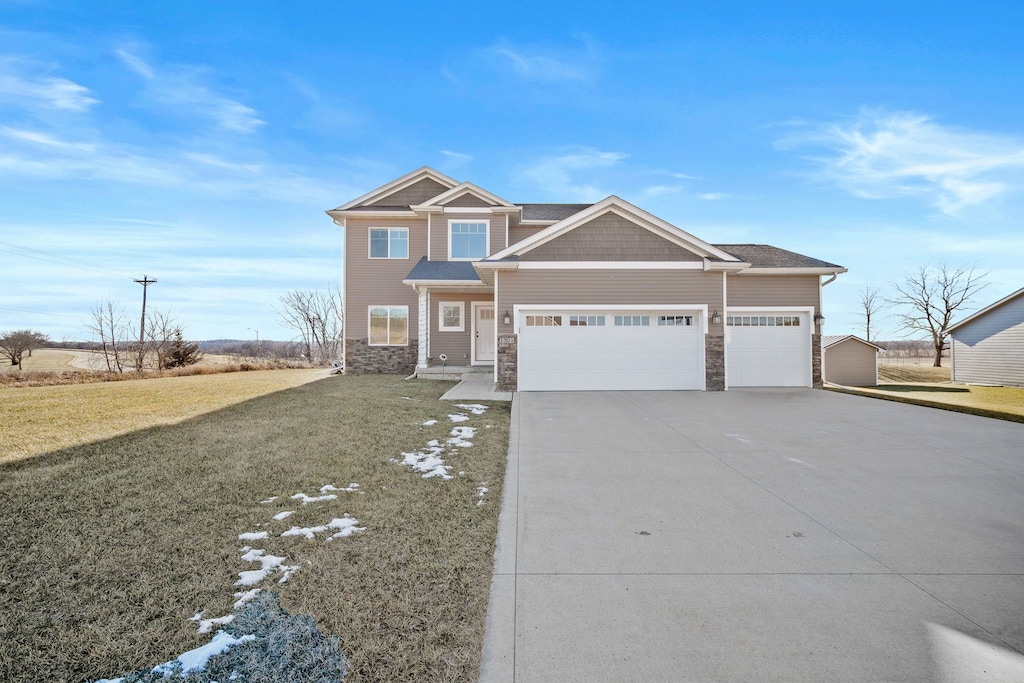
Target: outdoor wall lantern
[(716, 317), (507, 319), (819, 319)]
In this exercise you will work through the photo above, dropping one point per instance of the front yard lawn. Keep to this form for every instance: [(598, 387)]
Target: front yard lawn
[(1006, 403), (111, 547)]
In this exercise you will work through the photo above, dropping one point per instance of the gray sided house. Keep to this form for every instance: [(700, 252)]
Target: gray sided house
[(988, 347), (559, 297), (849, 360)]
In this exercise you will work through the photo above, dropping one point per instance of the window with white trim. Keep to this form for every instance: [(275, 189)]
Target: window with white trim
[(467, 240), (389, 326), (543, 321), (451, 316), (586, 321), (389, 243), (632, 320), (763, 321), (675, 320)]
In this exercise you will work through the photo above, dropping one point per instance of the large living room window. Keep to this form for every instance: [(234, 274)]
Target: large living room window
[(467, 240), (389, 242), (389, 325)]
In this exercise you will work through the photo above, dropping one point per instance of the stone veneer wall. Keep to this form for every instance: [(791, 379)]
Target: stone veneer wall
[(816, 361), (363, 359), (714, 362), (508, 362)]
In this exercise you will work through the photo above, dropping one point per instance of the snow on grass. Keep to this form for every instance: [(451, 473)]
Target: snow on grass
[(285, 514), (458, 417), (459, 436), (197, 659), (245, 596), (480, 491), (346, 526), (268, 565), (430, 423), (351, 488), (206, 625), (306, 500), (474, 408), (428, 461), (269, 500), (253, 536)]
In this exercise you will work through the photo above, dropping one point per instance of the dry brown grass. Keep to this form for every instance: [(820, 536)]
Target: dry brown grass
[(911, 373), (36, 420), (109, 547), (1005, 403)]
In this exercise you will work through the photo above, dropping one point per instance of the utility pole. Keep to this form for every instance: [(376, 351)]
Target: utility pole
[(257, 342), (145, 282)]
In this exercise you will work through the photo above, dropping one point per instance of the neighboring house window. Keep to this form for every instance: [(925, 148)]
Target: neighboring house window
[(467, 240), (389, 325), (763, 321), (389, 242), (543, 321), (675, 320), (586, 321), (632, 320), (451, 316)]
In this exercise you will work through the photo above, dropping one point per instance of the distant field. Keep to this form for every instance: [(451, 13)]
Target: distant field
[(57, 360), (912, 373), (36, 420)]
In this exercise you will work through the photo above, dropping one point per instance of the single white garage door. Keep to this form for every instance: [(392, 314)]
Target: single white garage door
[(767, 349), (602, 350)]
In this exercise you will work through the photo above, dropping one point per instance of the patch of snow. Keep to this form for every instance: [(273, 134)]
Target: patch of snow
[(253, 536), (428, 461), (246, 596), (206, 625), (330, 487), (406, 398), (346, 526), (459, 436), (284, 515), (268, 564), (481, 490), (458, 417), (269, 500), (197, 659), (474, 408), (430, 423), (306, 500)]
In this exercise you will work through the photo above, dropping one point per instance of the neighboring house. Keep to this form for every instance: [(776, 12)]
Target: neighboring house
[(569, 296), (849, 360), (988, 347)]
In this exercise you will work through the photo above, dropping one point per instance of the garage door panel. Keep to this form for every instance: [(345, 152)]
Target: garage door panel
[(609, 357), (768, 355)]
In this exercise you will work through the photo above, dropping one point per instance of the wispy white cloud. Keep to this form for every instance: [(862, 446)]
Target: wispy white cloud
[(879, 155), (22, 84), (454, 160), (178, 90), (543, 65), (658, 190), (712, 196), (559, 176), (44, 139)]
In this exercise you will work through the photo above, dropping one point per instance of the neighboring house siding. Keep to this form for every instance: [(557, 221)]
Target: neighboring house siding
[(468, 200), (520, 233), (378, 282), (609, 238), (774, 290), (851, 363), (417, 193), (606, 287), (455, 345), (990, 349), (439, 232)]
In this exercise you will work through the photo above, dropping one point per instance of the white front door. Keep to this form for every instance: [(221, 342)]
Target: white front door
[(483, 333)]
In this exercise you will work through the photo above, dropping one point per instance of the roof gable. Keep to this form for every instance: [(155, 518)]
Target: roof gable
[(988, 309), (610, 237), (828, 340), (412, 188), (624, 209), (466, 194)]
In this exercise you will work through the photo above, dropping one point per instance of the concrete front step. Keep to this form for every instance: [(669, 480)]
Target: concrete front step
[(453, 371)]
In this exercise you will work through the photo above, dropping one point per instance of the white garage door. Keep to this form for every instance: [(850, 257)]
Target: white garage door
[(595, 350), (767, 349)]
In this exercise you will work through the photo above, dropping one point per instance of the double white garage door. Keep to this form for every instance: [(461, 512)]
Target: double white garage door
[(632, 350)]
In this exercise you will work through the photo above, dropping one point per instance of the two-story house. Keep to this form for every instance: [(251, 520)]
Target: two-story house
[(569, 296)]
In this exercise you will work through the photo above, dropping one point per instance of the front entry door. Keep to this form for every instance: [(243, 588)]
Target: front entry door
[(483, 334)]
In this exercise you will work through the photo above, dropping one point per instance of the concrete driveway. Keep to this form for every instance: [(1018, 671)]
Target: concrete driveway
[(756, 535)]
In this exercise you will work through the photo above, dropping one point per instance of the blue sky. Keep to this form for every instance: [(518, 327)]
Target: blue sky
[(200, 143)]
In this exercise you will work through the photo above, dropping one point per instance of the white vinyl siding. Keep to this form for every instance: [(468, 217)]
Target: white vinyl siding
[(990, 348)]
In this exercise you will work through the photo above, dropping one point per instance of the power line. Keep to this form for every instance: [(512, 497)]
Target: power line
[(22, 310), (51, 258)]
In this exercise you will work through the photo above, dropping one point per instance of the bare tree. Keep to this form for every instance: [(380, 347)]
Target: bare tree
[(930, 298), (14, 345), (871, 303), (316, 316), (161, 331), (107, 322)]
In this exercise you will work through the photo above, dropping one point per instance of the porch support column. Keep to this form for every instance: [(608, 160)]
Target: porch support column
[(424, 328)]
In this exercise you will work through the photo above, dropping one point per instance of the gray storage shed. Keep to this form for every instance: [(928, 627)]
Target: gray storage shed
[(849, 360), (988, 347)]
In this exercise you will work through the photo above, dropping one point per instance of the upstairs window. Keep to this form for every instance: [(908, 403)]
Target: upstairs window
[(389, 243), (467, 240)]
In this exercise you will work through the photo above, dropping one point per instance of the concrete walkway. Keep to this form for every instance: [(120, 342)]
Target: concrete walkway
[(476, 386), (771, 535)]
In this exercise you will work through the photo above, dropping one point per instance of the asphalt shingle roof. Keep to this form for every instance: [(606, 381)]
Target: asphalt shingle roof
[(443, 270), (767, 256), (550, 212)]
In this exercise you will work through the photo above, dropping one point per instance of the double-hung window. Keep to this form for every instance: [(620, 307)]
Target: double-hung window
[(389, 243), (467, 240), (389, 325), (451, 316)]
